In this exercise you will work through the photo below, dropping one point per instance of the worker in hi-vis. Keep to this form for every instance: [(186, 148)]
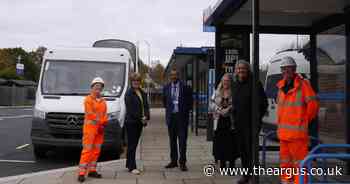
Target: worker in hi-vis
[(93, 130), (297, 106)]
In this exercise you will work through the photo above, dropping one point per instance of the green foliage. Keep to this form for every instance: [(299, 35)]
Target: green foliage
[(10, 73), (157, 74), (8, 61)]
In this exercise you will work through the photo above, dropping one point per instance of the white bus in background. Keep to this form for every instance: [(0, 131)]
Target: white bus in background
[(273, 76), (64, 82)]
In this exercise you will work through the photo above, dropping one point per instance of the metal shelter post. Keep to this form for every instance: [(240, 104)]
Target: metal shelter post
[(255, 69), (347, 87)]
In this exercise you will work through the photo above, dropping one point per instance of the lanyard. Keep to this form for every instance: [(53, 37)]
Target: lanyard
[(175, 92)]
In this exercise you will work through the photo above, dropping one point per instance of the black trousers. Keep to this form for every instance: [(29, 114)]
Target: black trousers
[(178, 132), (133, 131), (245, 147)]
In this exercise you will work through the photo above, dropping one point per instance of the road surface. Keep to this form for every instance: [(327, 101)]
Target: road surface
[(16, 152)]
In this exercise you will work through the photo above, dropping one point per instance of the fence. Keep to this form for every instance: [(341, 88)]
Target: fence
[(14, 95)]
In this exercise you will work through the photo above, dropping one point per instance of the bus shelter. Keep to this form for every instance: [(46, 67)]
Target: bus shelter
[(195, 66), (328, 51)]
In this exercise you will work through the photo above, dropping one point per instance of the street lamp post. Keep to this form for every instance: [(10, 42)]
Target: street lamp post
[(149, 73), (149, 66), (137, 57)]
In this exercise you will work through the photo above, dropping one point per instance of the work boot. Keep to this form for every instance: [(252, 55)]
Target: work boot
[(81, 178), (94, 174)]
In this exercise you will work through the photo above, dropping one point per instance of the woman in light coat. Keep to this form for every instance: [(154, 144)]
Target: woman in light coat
[(224, 148)]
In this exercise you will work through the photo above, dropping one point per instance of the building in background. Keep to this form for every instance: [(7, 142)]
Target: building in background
[(196, 68)]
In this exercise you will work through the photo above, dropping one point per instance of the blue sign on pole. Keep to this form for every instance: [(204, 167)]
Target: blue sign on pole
[(211, 82), (209, 29), (20, 69)]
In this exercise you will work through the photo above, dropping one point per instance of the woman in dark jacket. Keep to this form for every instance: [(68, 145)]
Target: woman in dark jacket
[(137, 116), (241, 99)]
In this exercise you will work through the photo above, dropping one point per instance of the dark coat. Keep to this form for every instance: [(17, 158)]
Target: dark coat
[(242, 104), (133, 106), (185, 101)]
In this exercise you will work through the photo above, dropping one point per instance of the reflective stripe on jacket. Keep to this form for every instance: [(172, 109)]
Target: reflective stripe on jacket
[(295, 109), (95, 109)]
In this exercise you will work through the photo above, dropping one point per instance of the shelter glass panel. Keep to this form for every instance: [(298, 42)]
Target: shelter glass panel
[(331, 57)]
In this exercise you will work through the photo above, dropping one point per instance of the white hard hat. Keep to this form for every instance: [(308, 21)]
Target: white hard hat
[(288, 61), (97, 80)]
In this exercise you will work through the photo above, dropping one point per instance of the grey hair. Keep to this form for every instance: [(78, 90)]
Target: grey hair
[(244, 62)]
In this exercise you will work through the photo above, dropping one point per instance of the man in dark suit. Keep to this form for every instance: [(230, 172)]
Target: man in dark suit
[(177, 100)]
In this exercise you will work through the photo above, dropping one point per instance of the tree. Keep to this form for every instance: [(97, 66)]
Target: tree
[(9, 59), (38, 55), (10, 73), (143, 70), (157, 74)]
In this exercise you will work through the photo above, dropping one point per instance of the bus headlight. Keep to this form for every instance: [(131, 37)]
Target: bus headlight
[(39, 114)]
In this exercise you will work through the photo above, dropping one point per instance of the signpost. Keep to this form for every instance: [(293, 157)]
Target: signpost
[(19, 66)]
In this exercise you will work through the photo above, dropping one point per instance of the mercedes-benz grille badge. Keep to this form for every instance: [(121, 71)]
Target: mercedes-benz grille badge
[(72, 121)]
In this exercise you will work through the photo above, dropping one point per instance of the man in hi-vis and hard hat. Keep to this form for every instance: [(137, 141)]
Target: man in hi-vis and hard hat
[(93, 130), (297, 106)]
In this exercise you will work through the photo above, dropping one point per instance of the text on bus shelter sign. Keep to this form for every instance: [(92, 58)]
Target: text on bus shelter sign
[(231, 57)]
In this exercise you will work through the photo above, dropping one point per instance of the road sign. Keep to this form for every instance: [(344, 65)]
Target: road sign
[(211, 82), (19, 68)]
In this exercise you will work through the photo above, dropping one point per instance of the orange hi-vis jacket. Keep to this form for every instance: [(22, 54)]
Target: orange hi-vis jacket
[(295, 109), (94, 110)]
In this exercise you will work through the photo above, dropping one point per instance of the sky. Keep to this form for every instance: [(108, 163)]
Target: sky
[(272, 43), (164, 24)]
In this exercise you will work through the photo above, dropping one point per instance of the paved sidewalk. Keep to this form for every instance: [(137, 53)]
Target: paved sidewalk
[(16, 107), (153, 155)]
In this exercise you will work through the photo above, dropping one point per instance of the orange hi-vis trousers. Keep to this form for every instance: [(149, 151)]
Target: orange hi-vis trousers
[(92, 143), (93, 134), (291, 154)]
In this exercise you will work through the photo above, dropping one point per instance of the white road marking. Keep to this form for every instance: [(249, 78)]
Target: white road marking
[(15, 117), (17, 161), (23, 146)]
